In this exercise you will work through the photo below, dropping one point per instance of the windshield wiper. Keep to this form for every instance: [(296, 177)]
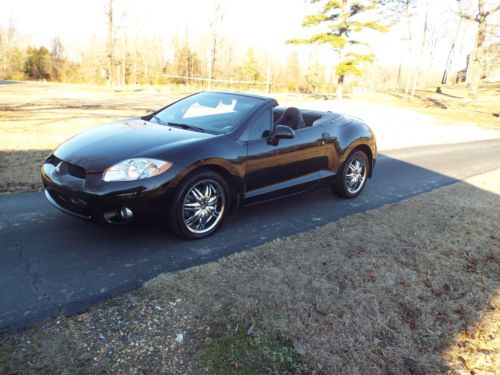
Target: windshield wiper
[(159, 120), (186, 126)]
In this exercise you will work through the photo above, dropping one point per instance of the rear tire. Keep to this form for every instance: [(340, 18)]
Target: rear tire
[(352, 176), (199, 205)]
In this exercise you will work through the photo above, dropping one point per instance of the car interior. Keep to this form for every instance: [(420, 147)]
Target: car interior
[(297, 119)]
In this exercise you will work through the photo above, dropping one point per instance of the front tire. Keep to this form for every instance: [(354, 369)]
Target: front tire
[(351, 179), (199, 205)]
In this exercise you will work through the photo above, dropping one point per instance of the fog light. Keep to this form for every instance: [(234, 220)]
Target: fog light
[(126, 213)]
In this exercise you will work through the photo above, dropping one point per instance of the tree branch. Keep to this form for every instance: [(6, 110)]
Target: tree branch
[(467, 17), (492, 11)]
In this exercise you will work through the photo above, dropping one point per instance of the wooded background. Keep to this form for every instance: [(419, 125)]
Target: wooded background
[(427, 30)]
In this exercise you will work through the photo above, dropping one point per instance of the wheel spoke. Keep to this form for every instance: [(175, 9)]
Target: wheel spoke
[(208, 190), (197, 194), (203, 222), (213, 200), (193, 218), (192, 206)]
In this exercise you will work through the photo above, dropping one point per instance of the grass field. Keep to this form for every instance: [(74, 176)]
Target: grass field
[(379, 292), (36, 117)]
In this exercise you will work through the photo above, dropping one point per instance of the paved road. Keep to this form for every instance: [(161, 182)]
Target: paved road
[(2, 82), (52, 263)]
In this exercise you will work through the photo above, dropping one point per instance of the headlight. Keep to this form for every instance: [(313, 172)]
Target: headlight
[(135, 169)]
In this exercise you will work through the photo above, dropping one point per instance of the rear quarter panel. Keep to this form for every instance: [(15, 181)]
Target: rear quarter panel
[(343, 136)]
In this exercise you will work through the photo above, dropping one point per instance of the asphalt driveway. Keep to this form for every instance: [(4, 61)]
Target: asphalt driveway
[(55, 264)]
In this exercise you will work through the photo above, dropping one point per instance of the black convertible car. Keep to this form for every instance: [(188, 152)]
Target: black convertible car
[(197, 159)]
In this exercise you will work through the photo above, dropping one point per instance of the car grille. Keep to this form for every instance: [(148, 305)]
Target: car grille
[(72, 170), (76, 205), (76, 171)]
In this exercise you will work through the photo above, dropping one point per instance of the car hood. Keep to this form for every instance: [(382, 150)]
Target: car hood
[(100, 147)]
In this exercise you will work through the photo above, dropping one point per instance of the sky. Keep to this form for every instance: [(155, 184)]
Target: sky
[(76, 20), (262, 24)]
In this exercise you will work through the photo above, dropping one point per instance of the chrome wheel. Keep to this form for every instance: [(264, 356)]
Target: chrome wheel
[(356, 175), (203, 206)]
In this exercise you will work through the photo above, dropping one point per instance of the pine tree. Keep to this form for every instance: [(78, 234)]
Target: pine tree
[(251, 66), (344, 20), (37, 65)]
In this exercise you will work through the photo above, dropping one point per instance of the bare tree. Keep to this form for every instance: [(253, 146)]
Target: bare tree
[(408, 6), (476, 11), (219, 11), (397, 9), (3, 52), (451, 54), (110, 46), (418, 67), (12, 53)]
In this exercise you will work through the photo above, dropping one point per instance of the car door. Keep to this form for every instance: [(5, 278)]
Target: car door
[(287, 167)]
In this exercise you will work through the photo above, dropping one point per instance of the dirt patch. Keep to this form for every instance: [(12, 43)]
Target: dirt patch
[(408, 288)]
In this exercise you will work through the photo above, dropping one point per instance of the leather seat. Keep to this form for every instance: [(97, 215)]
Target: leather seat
[(292, 118)]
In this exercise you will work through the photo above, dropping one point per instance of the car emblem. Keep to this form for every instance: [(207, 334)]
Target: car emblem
[(58, 168)]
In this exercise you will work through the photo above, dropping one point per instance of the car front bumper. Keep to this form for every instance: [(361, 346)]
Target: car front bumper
[(91, 198)]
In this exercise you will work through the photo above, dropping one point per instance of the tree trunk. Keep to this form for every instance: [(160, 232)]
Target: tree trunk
[(400, 68), (3, 48), (409, 15), (110, 44), (340, 87), (475, 68), (209, 81), (213, 56), (418, 68), (449, 61), (268, 73), (124, 66)]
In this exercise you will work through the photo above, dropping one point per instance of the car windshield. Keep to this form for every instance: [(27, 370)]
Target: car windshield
[(208, 112)]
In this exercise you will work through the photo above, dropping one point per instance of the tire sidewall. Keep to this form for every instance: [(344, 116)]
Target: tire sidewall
[(180, 195)]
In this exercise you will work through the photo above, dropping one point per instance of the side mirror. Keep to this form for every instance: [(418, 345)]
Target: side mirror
[(281, 132)]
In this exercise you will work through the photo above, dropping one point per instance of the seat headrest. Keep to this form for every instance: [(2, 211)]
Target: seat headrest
[(292, 117)]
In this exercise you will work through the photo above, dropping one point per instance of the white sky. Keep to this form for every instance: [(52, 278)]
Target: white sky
[(262, 24), (77, 20)]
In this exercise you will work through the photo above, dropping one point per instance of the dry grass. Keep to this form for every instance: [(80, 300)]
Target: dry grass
[(36, 118), (410, 288), (453, 105)]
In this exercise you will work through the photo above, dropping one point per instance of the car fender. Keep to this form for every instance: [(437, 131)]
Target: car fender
[(343, 139)]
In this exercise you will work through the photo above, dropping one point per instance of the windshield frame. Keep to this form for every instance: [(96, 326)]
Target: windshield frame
[(238, 124)]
